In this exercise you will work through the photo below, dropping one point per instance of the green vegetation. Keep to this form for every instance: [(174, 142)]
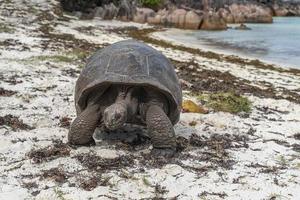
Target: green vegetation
[(281, 160), (79, 54), (43, 58), (75, 54), (154, 4), (146, 181), (226, 102), (67, 57), (53, 58), (5, 28), (59, 194), (33, 10)]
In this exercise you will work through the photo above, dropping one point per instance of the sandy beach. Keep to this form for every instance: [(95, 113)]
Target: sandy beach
[(222, 155)]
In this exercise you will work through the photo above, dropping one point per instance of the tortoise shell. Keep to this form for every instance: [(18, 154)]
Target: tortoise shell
[(133, 63)]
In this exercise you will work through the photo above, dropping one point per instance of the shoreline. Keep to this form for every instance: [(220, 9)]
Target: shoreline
[(214, 47), (233, 68), (145, 35)]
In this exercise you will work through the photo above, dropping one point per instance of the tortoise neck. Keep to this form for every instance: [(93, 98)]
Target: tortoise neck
[(128, 99), (124, 92)]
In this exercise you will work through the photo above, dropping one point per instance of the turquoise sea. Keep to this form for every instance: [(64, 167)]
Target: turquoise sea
[(275, 43)]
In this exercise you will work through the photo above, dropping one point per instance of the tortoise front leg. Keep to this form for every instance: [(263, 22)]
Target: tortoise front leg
[(160, 131), (84, 125)]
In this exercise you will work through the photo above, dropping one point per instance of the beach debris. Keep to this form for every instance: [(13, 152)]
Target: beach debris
[(12, 80), (6, 93), (14, 122), (70, 72), (30, 185), (65, 122), (205, 194), (185, 83), (193, 123), (91, 183), (192, 107), (58, 149), (96, 163), (297, 136), (56, 174)]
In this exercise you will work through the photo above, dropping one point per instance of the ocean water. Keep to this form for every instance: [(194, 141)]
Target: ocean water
[(277, 43)]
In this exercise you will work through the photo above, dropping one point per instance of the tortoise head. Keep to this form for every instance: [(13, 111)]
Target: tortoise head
[(115, 116)]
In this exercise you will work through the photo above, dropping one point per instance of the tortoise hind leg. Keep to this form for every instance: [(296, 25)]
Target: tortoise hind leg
[(160, 131), (84, 125)]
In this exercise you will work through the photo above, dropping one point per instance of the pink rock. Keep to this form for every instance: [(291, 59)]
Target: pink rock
[(250, 13), (280, 11), (192, 20), (212, 21), (177, 18), (142, 14), (154, 20), (298, 10), (226, 15), (164, 14)]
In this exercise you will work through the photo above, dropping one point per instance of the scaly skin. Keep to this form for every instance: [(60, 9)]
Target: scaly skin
[(160, 131), (84, 125), (159, 126)]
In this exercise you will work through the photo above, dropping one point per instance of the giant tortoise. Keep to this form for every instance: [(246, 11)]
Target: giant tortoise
[(128, 82)]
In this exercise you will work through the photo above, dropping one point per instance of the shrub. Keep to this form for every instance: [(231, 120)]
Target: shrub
[(154, 4)]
